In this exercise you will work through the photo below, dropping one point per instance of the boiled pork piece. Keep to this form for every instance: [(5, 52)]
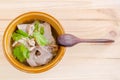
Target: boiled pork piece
[(48, 33), (23, 27), (28, 28), (40, 56)]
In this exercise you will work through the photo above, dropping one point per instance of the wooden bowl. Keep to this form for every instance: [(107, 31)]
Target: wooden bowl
[(25, 18)]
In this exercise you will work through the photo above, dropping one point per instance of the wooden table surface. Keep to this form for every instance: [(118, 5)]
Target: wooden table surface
[(82, 18)]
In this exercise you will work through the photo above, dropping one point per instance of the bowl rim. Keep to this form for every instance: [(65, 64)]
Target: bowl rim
[(31, 69)]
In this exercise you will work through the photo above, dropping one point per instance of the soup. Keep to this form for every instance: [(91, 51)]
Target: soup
[(34, 43)]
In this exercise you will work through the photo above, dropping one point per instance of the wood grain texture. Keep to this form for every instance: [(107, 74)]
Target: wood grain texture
[(82, 18)]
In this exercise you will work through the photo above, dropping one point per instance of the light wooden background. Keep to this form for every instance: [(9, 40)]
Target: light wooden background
[(83, 18)]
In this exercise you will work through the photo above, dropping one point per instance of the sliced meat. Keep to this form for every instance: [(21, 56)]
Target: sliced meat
[(28, 28), (40, 55), (48, 33), (23, 27), (31, 60), (44, 57)]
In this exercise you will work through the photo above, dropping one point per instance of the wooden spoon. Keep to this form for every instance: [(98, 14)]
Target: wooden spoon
[(69, 40)]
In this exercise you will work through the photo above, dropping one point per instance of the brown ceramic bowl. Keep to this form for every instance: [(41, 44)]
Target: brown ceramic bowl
[(27, 18)]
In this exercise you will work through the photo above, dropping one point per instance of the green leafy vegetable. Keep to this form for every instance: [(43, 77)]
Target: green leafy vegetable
[(21, 53), (36, 25), (22, 33), (42, 30), (40, 39), (19, 34), (16, 36), (38, 34)]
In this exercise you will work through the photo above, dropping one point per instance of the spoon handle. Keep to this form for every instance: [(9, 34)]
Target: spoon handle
[(96, 41)]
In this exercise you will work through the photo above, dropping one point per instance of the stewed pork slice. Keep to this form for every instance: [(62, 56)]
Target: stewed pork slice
[(31, 60), (40, 56), (28, 28), (22, 27), (48, 34)]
